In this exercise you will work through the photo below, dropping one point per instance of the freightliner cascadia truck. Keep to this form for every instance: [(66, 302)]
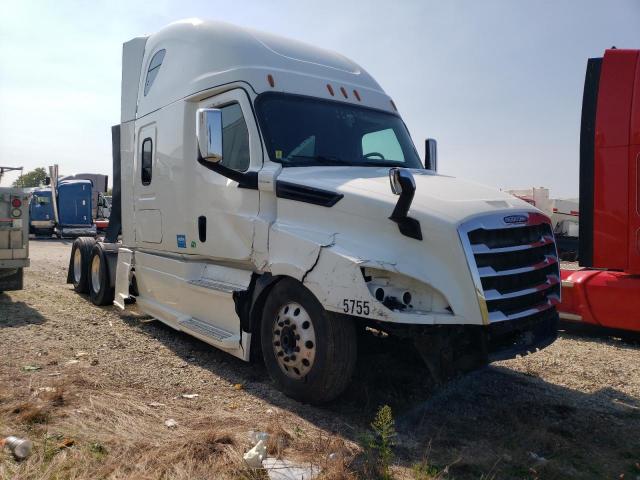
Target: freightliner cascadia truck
[(268, 198)]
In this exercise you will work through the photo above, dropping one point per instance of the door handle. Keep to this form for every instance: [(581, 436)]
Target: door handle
[(202, 228)]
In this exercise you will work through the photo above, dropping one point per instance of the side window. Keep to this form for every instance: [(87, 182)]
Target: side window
[(146, 164), (382, 145), (154, 68), (235, 138)]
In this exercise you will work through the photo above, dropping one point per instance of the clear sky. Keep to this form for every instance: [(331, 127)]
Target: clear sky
[(498, 83)]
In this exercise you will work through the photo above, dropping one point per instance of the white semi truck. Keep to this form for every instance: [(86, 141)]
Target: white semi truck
[(270, 199), (14, 237)]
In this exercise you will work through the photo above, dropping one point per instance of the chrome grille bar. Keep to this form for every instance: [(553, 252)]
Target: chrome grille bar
[(491, 272), (482, 248), (552, 281)]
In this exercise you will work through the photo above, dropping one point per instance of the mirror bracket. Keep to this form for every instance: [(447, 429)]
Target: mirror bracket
[(404, 185)]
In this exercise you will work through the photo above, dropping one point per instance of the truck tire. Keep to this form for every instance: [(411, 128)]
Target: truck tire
[(79, 263), (309, 353), (100, 288)]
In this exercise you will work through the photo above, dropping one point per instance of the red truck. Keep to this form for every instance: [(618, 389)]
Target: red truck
[(606, 291)]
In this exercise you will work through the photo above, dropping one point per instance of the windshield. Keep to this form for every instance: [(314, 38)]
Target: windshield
[(305, 131)]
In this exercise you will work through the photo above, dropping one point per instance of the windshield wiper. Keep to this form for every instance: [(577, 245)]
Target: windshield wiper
[(328, 160)]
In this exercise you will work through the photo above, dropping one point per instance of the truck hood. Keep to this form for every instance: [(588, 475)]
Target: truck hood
[(446, 198)]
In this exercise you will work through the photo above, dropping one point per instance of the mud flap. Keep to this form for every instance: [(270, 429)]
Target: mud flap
[(11, 279)]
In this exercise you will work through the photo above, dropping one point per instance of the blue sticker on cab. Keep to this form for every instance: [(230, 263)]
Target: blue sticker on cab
[(182, 241)]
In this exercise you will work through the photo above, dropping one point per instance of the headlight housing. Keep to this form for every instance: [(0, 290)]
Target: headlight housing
[(401, 293)]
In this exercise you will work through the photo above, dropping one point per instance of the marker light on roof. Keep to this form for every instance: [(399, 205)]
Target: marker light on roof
[(271, 81), (344, 92), (357, 95), (393, 105), (330, 88)]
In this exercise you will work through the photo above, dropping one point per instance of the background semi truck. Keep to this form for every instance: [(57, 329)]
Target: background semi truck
[(606, 292), (14, 237), (270, 200), (564, 215), (65, 207)]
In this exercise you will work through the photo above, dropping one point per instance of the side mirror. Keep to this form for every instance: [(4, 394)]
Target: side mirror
[(209, 133), (431, 154), (47, 180)]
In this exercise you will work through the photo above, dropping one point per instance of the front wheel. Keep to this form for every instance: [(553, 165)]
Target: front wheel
[(309, 353)]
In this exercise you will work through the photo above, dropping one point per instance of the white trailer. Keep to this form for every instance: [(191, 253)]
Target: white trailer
[(268, 195), (14, 237)]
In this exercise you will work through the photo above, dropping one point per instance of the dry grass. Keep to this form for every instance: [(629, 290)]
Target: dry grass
[(112, 434), (577, 404)]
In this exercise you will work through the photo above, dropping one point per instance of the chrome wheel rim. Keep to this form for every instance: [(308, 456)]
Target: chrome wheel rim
[(77, 265), (294, 340), (95, 273)]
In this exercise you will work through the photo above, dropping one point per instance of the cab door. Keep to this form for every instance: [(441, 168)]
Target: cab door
[(148, 213), (224, 211)]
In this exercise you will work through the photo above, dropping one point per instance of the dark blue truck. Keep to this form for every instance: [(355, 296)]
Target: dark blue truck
[(68, 215)]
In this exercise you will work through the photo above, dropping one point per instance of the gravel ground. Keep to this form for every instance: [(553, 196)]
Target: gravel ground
[(571, 411)]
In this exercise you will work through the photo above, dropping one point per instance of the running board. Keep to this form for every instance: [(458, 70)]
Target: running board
[(204, 329), (216, 285)]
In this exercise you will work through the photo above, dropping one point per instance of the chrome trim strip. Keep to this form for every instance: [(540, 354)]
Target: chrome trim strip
[(482, 248), (488, 272), (552, 281)]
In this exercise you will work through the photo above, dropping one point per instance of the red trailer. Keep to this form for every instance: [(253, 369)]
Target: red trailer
[(606, 291)]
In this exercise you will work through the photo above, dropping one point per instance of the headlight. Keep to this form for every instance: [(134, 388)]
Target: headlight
[(399, 292)]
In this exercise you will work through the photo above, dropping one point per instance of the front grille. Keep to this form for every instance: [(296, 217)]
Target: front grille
[(515, 268)]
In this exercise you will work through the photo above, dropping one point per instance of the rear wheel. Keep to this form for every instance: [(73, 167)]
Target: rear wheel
[(310, 353), (79, 264), (100, 290)]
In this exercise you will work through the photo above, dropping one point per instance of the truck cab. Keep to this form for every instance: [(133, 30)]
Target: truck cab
[(41, 216), (269, 195), (74, 203)]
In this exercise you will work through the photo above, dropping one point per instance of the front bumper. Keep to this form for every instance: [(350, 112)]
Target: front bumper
[(42, 223), (452, 349), (78, 231), (507, 340)]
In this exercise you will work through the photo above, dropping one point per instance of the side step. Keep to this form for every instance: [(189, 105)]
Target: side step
[(216, 285), (204, 329)]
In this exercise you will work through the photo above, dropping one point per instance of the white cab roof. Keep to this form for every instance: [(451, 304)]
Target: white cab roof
[(202, 55)]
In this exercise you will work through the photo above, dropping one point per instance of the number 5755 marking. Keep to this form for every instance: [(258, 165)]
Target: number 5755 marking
[(355, 307)]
